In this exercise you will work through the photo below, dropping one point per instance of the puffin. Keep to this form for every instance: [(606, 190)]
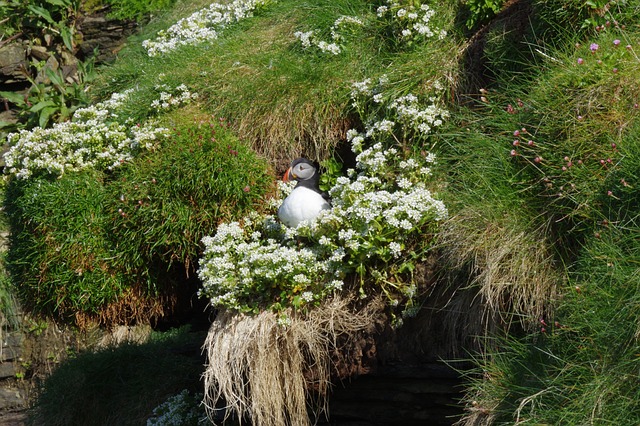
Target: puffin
[(306, 201)]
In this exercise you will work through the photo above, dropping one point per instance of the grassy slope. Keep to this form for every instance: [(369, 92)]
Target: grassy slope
[(509, 227)]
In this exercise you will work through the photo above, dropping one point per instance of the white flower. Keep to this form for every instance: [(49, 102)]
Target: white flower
[(404, 183), (329, 47), (305, 38), (203, 25), (395, 248)]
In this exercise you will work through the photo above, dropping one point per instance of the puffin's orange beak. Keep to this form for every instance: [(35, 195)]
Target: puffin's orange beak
[(287, 175)]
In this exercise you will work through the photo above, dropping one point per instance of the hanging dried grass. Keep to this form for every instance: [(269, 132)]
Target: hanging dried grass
[(501, 275), (269, 373)]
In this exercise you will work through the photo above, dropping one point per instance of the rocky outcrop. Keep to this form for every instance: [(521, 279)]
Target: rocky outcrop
[(103, 35), (13, 392), (13, 63)]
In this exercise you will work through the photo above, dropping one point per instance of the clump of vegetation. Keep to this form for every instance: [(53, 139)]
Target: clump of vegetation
[(120, 231), (569, 145), (274, 374), (180, 409)]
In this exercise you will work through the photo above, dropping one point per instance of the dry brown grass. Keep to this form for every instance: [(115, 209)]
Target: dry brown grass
[(270, 374), (501, 275), (132, 307)]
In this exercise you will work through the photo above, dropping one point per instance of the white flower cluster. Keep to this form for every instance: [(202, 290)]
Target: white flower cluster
[(203, 25), (341, 26), (377, 211), (178, 410), (94, 139), (309, 39), (408, 109), (344, 24), (407, 112), (409, 21), (366, 89), (173, 98), (242, 266)]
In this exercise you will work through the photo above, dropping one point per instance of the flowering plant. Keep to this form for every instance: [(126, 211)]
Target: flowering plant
[(170, 98), (95, 138), (408, 21), (203, 25), (379, 209), (181, 409), (403, 22), (343, 26)]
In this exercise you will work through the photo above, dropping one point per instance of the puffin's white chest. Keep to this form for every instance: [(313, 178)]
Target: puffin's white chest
[(302, 204)]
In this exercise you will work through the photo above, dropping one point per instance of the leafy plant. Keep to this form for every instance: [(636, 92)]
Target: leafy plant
[(53, 100), (481, 11), (50, 18)]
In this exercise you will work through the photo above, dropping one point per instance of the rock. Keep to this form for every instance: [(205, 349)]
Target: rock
[(8, 370), (103, 35), (40, 53), (11, 347), (13, 61), (51, 64), (11, 398)]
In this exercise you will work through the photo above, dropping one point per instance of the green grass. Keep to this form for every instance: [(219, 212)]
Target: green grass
[(283, 100), (574, 189), (580, 367)]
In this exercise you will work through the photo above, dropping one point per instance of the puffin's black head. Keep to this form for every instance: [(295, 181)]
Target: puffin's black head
[(301, 170), (306, 174)]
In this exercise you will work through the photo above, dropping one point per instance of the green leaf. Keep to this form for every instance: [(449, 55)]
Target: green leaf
[(67, 37), (13, 97), (43, 13), (55, 76), (41, 105), (63, 3), (45, 114)]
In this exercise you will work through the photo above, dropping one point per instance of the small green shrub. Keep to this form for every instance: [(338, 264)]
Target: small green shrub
[(99, 243), (59, 250), (481, 11), (161, 205)]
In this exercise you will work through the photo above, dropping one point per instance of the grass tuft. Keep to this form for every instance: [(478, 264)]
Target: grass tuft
[(262, 370)]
